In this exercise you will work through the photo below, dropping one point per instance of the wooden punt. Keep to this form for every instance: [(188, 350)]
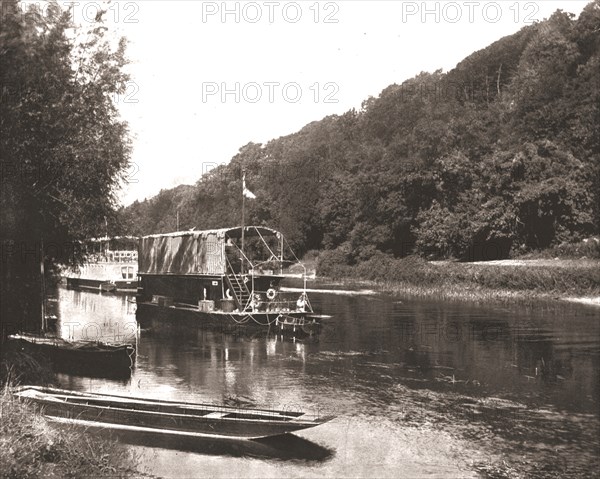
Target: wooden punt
[(152, 415), (95, 354)]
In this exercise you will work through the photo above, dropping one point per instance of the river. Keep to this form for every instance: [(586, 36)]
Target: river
[(420, 388)]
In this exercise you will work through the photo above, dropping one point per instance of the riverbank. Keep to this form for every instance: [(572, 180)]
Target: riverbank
[(500, 281), (31, 446)]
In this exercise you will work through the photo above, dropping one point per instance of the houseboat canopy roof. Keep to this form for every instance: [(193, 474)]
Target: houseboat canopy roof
[(192, 252), (233, 232)]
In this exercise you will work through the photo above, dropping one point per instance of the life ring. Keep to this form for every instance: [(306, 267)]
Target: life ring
[(271, 293), (228, 294)]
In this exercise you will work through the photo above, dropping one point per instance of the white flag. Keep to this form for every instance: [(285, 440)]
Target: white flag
[(247, 192)]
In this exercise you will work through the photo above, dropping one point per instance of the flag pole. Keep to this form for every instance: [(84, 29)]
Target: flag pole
[(243, 212)]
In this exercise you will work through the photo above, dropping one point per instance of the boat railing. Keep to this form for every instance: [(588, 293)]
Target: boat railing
[(281, 302), (102, 258), (248, 298)]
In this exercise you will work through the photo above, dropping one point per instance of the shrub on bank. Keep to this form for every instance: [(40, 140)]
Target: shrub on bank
[(412, 269), (588, 248), (31, 447), (18, 367), (334, 264)]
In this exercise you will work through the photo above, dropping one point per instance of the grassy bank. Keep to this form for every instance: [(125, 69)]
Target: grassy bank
[(31, 446), (502, 280)]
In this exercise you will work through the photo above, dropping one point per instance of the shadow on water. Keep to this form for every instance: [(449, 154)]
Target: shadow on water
[(287, 447), (122, 375)]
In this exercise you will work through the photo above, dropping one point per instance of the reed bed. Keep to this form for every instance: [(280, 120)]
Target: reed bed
[(414, 276)]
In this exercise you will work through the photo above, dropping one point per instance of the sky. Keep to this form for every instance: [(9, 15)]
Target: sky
[(209, 77)]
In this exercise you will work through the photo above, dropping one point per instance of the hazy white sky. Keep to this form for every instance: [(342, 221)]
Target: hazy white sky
[(210, 77)]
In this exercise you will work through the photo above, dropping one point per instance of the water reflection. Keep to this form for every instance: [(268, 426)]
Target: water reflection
[(497, 375), (551, 353), (84, 315), (507, 351), (94, 317), (437, 342)]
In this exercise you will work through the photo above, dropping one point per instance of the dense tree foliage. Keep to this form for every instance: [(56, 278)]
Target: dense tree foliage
[(501, 153), (62, 146)]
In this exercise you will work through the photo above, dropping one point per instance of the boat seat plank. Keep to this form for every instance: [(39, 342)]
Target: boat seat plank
[(216, 415)]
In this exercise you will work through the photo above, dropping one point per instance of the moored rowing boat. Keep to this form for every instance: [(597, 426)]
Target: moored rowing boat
[(84, 353), (80, 358), (152, 415)]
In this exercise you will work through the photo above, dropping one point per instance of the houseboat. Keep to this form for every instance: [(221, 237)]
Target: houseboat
[(226, 277), (110, 266)]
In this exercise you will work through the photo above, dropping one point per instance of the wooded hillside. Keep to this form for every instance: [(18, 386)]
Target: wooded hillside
[(502, 152)]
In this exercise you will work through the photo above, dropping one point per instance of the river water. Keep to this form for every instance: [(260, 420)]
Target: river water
[(420, 388)]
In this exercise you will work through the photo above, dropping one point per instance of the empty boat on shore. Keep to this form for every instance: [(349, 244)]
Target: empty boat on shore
[(160, 416)]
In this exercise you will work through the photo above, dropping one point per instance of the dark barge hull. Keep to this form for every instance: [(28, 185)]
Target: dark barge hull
[(114, 359), (170, 416), (291, 324)]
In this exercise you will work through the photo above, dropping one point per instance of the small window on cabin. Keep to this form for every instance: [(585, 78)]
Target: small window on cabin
[(124, 272)]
